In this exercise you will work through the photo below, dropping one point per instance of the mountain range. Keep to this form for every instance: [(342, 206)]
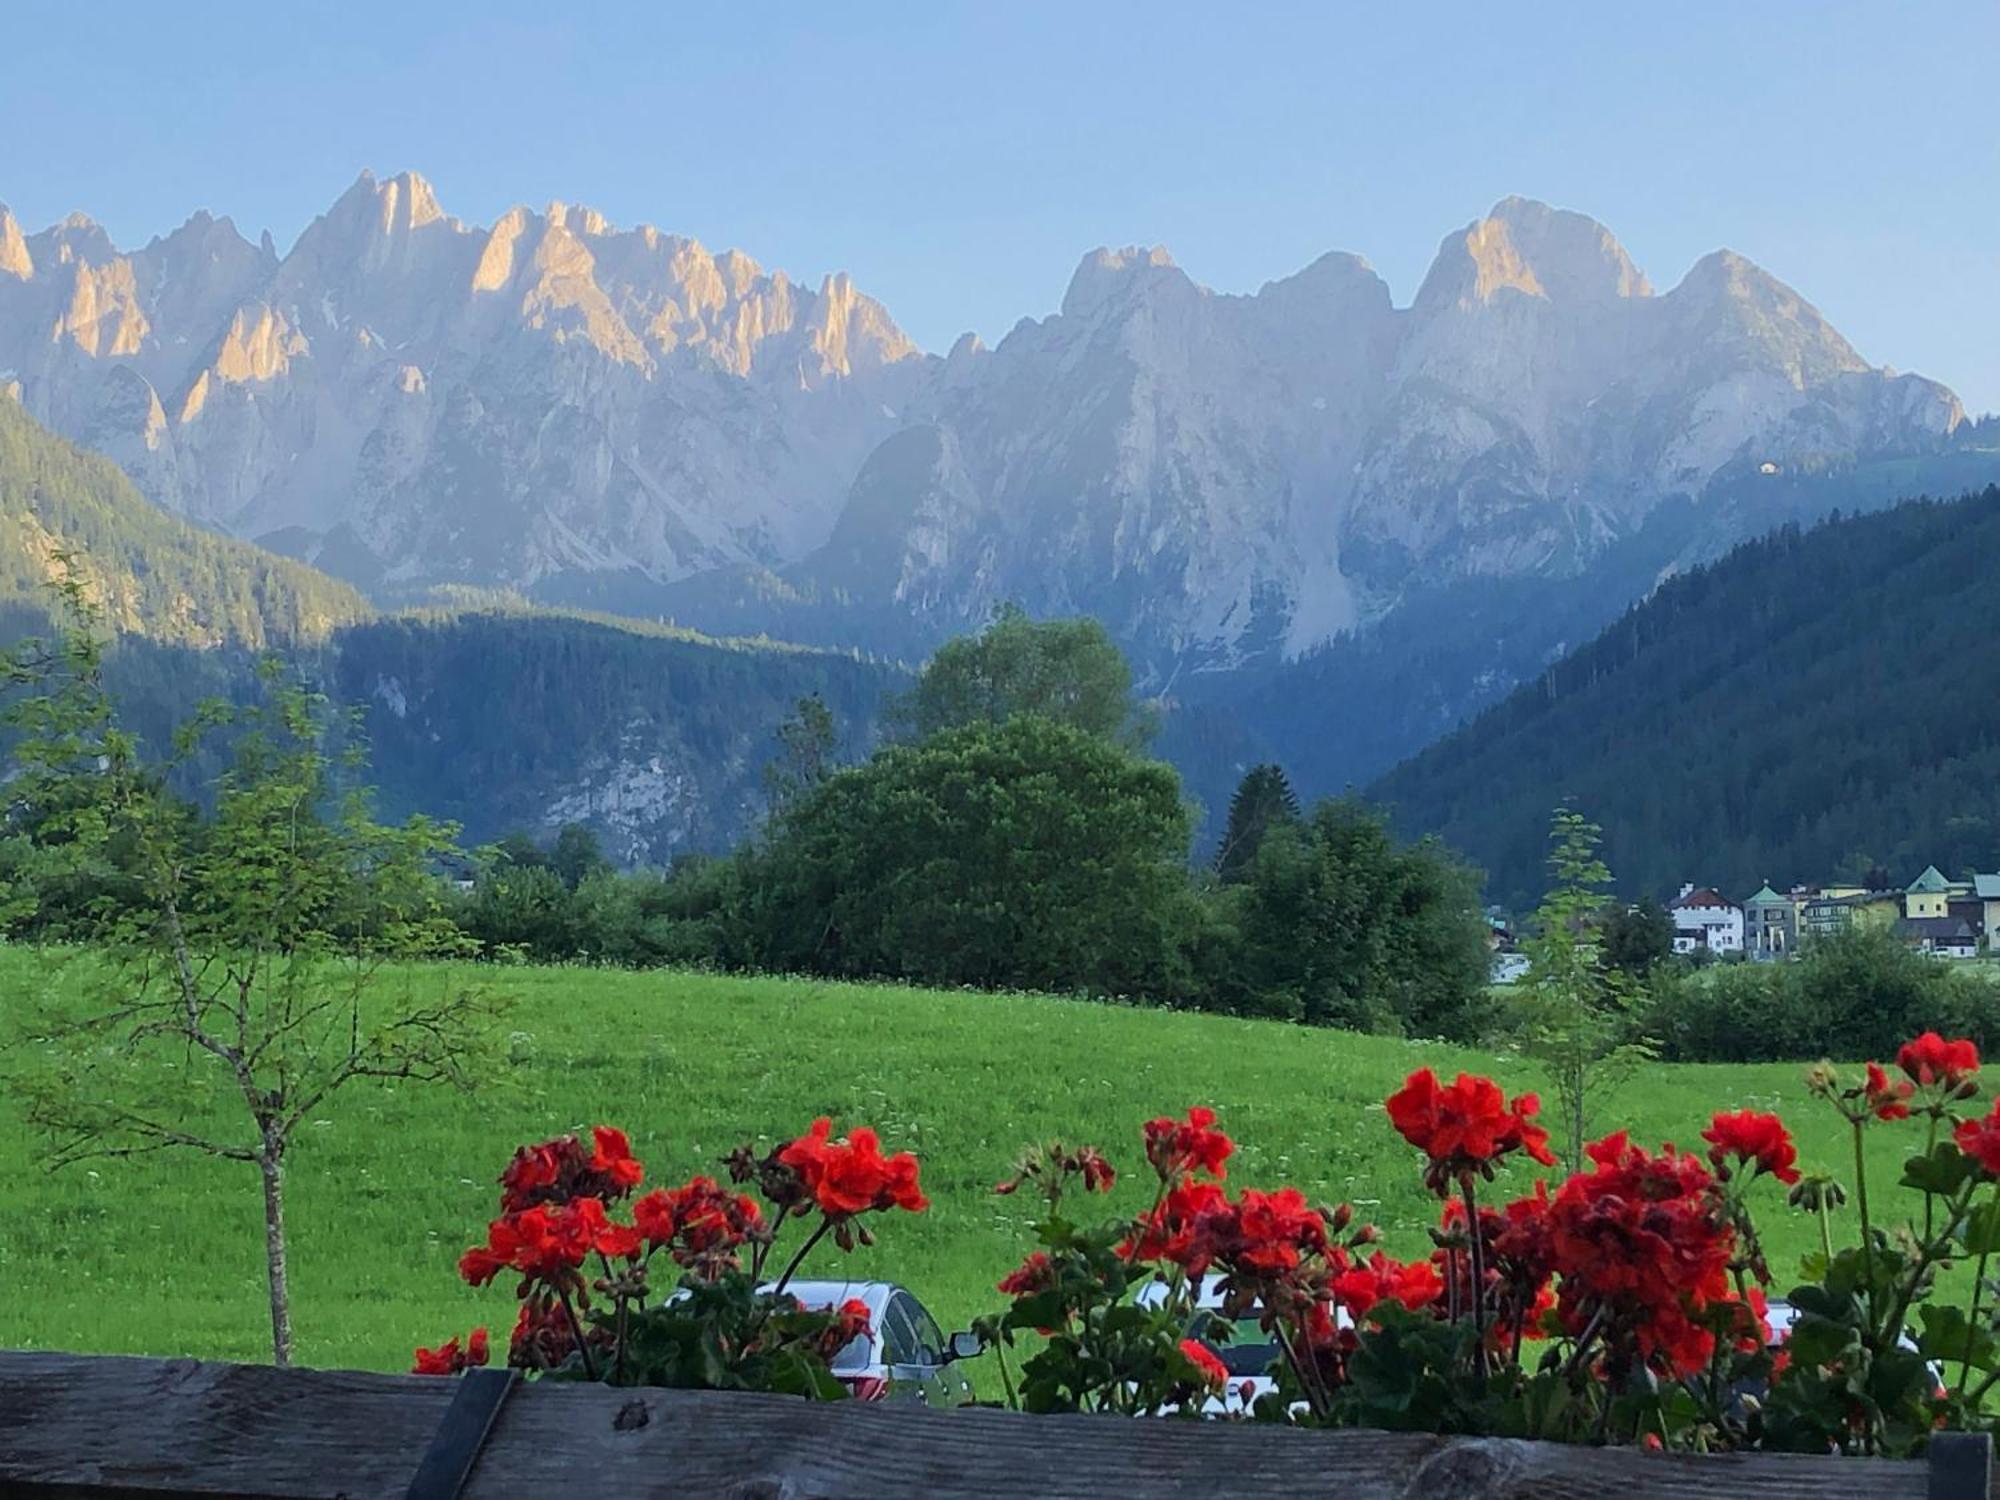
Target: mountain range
[(1326, 527), (577, 411)]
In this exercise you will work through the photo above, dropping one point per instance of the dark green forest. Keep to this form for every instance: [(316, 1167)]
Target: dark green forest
[(1817, 702)]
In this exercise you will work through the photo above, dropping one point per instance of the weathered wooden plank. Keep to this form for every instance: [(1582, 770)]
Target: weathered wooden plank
[(89, 1427), (95, 1428), (686, 1444)]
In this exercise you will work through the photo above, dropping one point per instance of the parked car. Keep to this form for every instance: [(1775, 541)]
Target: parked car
[(904, 1357), (1247, 1352)]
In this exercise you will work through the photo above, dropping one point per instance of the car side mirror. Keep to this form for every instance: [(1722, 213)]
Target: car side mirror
[(966, 1345)]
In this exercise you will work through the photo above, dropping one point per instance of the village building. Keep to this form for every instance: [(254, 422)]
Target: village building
[(1705, 919), (1986, 891), (1771, 925), (1941, 917)]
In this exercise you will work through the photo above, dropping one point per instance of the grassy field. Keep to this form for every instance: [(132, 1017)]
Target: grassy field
[(161, 1255)]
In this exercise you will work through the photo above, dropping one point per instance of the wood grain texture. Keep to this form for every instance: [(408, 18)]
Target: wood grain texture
[(94, 1428)]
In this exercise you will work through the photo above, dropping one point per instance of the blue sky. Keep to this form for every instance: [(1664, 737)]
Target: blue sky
[(958, 159)]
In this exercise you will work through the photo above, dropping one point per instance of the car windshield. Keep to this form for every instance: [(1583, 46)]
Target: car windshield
[(856, 1356)]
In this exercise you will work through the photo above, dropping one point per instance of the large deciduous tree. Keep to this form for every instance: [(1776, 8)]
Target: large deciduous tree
[(1069, 671), (1027, 853)]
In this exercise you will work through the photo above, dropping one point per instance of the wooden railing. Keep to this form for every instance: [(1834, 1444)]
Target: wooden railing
[(82, 1428)]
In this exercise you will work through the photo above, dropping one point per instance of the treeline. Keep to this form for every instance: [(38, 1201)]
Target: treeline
[(1015, 834)]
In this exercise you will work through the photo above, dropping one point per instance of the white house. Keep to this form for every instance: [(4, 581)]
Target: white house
[(1703, 918)]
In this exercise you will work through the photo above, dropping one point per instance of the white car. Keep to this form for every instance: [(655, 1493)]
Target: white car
[(1247, 1354), (904, 1357)]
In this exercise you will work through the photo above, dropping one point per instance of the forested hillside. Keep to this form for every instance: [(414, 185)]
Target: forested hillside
[(153, 574), (1815, 703), (655, 739)]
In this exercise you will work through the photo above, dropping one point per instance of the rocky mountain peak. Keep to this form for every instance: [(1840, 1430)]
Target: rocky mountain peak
[(1527, 248), (14, 257), (1105, 275)]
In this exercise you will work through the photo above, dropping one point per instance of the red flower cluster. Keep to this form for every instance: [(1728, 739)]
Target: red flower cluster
[(449, 1359), (1518, 1260), (1263, 1235), (1641, 1244), (1465, 1126), (1049, 1168), (701, 1225), (1886, 1100), (1035, 1274), (559, 1170), (1181, 1148), (1980, 1140), (1176, 1229), (1930, 1059), (546, 1243), (1214, 1373), (852, 1176), (1758, 1140), (1379, 1279)]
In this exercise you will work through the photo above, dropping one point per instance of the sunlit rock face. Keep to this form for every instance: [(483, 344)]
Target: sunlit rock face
[(1222, 476), (410, 400)]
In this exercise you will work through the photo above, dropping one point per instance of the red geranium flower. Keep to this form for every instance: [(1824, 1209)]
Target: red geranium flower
[(1381, 1279), (1177, 1148), (613, 1157), (850, 1322), (701, 1223), (1178, 1229), (1467, 1125), (1642, 1243), (1980, 1140), (557, 1171), (1758, 1139), (1035, 1274), (1931, 1059), (1098, 1174), (851, 1176), (449, 1359), (1886, 1100), (1213, 1372)]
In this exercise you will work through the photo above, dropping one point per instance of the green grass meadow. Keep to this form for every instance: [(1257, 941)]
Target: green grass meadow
[(162, 1254)]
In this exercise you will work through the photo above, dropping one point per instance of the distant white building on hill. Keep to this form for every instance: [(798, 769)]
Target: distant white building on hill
[(1704, 918)]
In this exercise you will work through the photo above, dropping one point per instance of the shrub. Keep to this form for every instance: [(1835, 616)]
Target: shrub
[(1851, 995)]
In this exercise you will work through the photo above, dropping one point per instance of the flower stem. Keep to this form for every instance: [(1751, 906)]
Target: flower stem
[(804, 1250), (1930, 1145), (1825, 1231), (576, 1332), (1972, 1313), (1478, 1278), (1867, 1230)]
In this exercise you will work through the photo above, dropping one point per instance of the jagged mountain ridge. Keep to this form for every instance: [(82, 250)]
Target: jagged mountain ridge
[(405, 399), (1221, 474), (555, 405)]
